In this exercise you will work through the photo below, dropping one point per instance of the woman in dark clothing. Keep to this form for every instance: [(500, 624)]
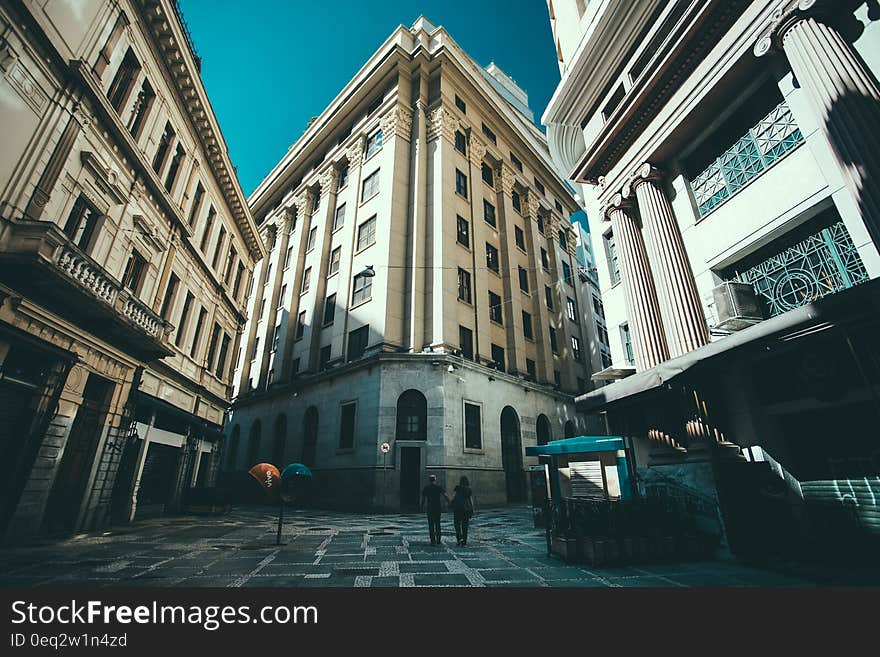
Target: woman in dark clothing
[(462, 509)]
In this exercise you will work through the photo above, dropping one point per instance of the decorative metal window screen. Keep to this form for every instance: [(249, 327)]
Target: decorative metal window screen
[(766, 143), (825, 262)]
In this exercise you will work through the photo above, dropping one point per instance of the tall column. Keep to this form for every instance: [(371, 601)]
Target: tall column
[(646, 324), (683, 320), (839, 88), (329, 182)]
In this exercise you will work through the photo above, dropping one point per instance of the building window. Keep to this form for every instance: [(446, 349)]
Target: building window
[(767, 142), (554, 345), (498, 357), (566, 273), (206, 233), (548, 297), (520, 237), (329, 309), (515, 161), (463, 234), (545, 261), (611, 253), (460, 142), (300, 325), (487, 174), (357, 342), (174, 169), (170, 294), (231, 258), (339, 217), (141, 109), (197, 203), (523, 280), (473, 438), (313, 237), (348, 411), (362, 289), (212, 345), (489, 213), (370, 186), (464, 285), (287, 257), (197, 334), (540, 221), (563, 241), (613, 102), (606, 360), (539, 186), (626, 341), (307, 280), (81, 223), (557, 378), (335, 256), (276, 337), (515, 201), (218, 248), (495, 313), (575, 348), (256, 351), (163, 148), (374, 144), (466, 342), (239, 275), (262, 310), (461, 183), (184, 318), (343, 177), (459, 103), (571, 309), (489, 134), (598, 308), (221, 359), (122, 82), (527, 326), (366, 233), (558, 206), (492, 261), (602, 334), (281, 296), (530, 369), (133, 276), (324, 357)]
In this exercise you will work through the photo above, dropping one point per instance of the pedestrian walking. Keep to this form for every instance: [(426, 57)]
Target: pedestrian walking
[(462, 506), (432, 501)]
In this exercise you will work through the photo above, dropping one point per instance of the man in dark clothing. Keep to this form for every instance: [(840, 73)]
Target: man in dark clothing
[(432, 494)]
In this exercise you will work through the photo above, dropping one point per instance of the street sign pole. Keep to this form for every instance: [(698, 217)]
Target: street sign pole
[(385, 448)]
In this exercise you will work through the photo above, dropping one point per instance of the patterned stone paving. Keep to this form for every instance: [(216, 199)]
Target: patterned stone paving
[(337, 549)]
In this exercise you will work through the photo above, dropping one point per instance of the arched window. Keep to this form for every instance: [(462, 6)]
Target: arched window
[(543, 432), (232, 458), (412, 416), (570, 430), (280, 441), (253, 452), (310, 436)]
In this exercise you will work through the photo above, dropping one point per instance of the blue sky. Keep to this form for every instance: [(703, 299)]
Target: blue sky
[(270, 65)]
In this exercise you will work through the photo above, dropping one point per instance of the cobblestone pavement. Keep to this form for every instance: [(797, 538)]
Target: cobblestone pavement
[(337, 549)]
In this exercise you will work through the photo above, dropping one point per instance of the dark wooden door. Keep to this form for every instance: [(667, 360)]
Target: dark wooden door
[(410, 477)]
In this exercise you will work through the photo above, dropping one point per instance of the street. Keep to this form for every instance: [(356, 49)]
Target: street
[(339, 550)]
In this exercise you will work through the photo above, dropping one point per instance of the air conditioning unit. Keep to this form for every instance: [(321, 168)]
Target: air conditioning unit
[(737, 306)]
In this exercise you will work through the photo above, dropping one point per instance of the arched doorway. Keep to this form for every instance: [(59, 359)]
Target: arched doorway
[(570, 429), (253, 452), (511, 455), (412, 416), (232, 458), (310, 436), (280, 441), (543, 432)]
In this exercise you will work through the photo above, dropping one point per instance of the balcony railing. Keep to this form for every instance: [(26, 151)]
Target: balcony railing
[(770, 140)]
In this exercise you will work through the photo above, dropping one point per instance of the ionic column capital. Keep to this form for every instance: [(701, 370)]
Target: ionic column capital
[(617, 203), (645, 173), (791, 12)]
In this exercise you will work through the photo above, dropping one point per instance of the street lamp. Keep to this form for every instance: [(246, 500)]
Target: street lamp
[(368, 272)]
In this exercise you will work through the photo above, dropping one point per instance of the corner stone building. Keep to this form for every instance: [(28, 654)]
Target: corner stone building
[(126, 247), (421, 288)]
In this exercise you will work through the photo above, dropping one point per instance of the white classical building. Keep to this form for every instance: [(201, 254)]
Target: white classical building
[(421, 287), (126, 246), (726, 151)]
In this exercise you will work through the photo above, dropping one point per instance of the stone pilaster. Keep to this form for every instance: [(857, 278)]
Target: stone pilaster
[(646, 324), (840, 90), (683, 318)]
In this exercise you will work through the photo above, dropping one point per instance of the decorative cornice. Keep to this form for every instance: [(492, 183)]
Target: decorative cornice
[(397, 122)]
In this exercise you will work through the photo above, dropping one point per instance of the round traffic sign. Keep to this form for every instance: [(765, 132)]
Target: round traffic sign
[(385, 447)]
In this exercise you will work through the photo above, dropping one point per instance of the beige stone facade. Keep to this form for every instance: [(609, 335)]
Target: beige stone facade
[(126, 248), (423, 174)]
